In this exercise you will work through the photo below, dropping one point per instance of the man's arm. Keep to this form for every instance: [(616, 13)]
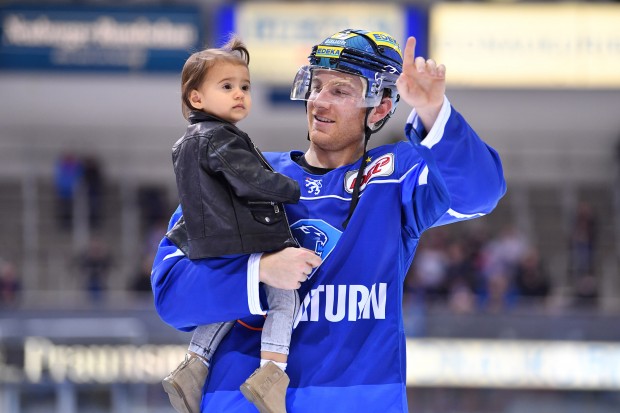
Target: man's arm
[(471, 169), (189, 293)]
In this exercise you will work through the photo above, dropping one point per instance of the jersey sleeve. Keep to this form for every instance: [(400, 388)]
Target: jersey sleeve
[(189, 293), (423, 190), (471, 169)]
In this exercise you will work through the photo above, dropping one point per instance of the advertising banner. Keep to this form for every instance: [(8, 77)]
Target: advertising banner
[(548, 45), (513, 364), (479, 363), (94, 39), (280, 35)]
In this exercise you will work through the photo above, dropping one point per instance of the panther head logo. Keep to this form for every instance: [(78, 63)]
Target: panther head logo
[(311, 237)]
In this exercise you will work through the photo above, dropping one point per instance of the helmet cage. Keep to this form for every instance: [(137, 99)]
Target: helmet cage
[(371, 95), (377, 69)]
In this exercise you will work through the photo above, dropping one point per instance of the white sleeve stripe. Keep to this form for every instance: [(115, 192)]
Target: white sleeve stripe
[(423, 178), (408, 172), (174, 254), (316, 198), (436, 133), (253, 285), (464, 216)]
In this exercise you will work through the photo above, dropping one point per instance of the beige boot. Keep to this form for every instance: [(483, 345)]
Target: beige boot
[(266, 388), (184, 385)]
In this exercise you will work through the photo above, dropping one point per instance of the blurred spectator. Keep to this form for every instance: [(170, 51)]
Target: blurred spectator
[(532, 281), (500, 259), (153, 236), (153, 205), (472, 272), (499, 294), (94, 265), (94, 186), (429, 269), (141, 282), (461, 299), (9, 283), (581, 252), (425, 281), (67, 175), (462, 279), (461, 268), (503, 254)]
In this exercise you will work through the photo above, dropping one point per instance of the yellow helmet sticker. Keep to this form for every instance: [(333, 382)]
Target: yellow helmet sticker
[(343, 35), (328, 51), (384, 39)]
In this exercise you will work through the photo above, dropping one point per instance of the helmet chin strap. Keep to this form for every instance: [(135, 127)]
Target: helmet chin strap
[(306, 106), (360, 173)]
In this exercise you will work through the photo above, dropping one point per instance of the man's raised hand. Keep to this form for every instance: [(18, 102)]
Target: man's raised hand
[(422, 84)]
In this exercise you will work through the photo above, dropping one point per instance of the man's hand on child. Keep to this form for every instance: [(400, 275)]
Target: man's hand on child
[(288, 268)]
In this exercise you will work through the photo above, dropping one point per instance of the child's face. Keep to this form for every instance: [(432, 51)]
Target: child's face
[(225, 92)]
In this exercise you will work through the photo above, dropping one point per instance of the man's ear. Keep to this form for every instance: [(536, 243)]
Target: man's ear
[(380, 111), (195, 99)]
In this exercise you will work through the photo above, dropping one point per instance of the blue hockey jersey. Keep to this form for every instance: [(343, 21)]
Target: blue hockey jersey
[(348, 347)]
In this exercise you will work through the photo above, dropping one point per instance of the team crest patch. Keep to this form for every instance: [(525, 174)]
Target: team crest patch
[(382, 166), (316, 235), (314, 185)]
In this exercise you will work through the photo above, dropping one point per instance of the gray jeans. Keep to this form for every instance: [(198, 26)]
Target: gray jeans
[(277, 330)]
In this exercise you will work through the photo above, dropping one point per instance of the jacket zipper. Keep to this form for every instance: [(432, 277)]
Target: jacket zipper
[(275, 206), (276, 209)]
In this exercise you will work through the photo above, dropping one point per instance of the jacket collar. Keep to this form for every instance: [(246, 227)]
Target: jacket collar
[(196, 116)]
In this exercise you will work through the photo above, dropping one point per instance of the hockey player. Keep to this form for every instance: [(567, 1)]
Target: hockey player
[(363, 211)]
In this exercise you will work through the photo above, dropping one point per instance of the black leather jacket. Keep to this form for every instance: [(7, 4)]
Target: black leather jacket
[(230, 196)]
